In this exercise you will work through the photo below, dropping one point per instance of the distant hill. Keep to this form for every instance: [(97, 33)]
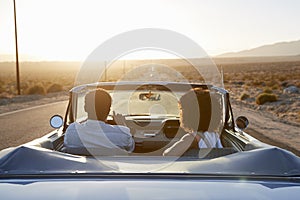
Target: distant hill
[(278, 49), (7, 57), (22, 57)]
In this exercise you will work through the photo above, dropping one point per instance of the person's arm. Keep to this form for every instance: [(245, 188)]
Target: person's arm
[(219, 144), (131, 144), (119, 119), (125, 139), (210, 140), (197, 137), (180, 147)]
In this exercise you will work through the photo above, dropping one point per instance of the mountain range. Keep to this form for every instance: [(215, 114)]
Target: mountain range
[(278, 49)]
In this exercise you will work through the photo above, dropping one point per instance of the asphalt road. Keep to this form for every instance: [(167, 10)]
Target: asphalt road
[(24, 125)]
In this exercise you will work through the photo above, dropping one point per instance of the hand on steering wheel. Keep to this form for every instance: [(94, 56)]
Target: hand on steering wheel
[(119, 119)]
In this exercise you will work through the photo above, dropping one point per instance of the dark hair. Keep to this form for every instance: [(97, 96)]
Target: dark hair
[(201, 111), (97, 104)]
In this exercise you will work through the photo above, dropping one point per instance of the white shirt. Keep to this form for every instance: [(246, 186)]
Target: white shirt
[(182, 145), (212, 140), (93, 134)]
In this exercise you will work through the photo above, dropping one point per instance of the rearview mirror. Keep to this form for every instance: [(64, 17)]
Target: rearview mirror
[(149, 96), (56, 121)]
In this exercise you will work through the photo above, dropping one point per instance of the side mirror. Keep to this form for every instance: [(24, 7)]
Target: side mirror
[(242, 122), (56, 121)]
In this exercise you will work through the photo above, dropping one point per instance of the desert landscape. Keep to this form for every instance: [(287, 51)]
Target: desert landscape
[(154, 138), (261, 87)]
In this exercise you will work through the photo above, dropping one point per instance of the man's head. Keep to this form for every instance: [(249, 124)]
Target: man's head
[(200, 111), (97, 104)]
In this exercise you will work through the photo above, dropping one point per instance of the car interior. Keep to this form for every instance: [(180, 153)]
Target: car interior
[(152, 133), (151, 142)]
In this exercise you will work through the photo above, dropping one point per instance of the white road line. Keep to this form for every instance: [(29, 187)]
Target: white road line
[(30, 108)]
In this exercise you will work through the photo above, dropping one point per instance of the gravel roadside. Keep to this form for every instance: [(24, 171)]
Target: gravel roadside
[(268, 128), (27, 101)]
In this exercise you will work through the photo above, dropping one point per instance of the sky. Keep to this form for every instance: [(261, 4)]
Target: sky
[(72, 29)]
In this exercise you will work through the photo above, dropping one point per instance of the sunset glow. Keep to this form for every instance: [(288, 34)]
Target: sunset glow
[(70, 30)]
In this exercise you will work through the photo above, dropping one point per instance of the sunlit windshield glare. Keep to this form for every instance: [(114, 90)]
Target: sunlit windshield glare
[(138, 103)]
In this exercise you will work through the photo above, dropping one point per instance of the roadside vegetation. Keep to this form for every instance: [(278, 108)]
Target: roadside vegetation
[(265, 97), (270, 87), (273, 87), (39, 78)]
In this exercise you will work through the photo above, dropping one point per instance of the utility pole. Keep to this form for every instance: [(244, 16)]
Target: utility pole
[(17, 54), (105, 71), (124, 67)]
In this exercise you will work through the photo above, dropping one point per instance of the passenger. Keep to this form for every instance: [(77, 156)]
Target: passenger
[(95, 132), (200, 117)]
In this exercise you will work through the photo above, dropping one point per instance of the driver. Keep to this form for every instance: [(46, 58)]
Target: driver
[(200, 117), (95, 132)]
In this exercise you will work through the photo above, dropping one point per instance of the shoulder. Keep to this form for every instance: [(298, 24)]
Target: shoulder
[(72, 127), (116, 129), (123, 129)]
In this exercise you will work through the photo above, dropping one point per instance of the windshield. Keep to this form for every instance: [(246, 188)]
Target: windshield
[(162, 103), (140, 102), (136, 103)]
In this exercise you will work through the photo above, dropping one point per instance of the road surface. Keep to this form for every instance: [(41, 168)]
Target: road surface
[(24, 125)]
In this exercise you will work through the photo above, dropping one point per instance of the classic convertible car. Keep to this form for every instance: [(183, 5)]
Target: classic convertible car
[(244, 168)]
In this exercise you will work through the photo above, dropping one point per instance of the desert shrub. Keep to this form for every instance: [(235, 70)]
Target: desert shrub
[(55, 88), (24, 86), (2, 83), (2, 89), (2, 86), (268, 90), (227, 77), (247, 77), (271, 83), (244, 96), (275, 87), (246, 87), (282, 78), (256, 83), (36, 89), (265, 97)]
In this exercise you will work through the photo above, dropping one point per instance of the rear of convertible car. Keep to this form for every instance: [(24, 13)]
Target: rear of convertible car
[(28, 172), (149, 187), (244, 169)]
